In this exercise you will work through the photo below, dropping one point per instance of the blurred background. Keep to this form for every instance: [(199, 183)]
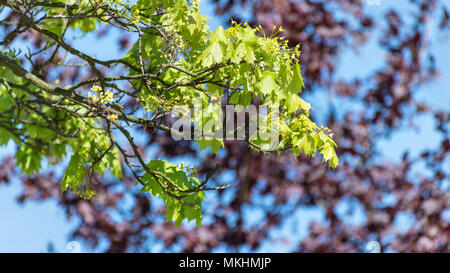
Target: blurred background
[(377, 72)]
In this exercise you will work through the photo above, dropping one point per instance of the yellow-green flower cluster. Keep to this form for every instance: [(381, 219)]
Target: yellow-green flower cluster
[(150, 102), (136, 16), (189, 169), (96, 88), (108, 96), (112, 117), (102, 97), (196, 4), (85, 193)]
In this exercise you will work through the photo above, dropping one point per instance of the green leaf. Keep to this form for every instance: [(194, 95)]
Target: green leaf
[(75, 172), (5, 136), (86, 25), (213, 54), (29, 159), (243, 52), (306, 142), (294, 103), (176, 211), (215, 144), (234, 99), (296, 83), (268, 83), (113, 163), (219, 36), (214, 89), (329, 155)]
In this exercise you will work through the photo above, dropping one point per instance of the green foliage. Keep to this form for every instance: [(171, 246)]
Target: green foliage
[(193, 66), (170, 175), (74, 174)]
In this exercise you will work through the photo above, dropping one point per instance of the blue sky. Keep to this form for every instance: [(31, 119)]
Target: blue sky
[(31, 227)]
